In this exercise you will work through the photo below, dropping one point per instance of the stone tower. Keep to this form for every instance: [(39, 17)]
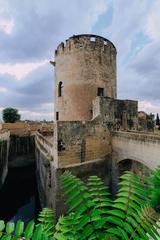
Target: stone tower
[(85, 67)]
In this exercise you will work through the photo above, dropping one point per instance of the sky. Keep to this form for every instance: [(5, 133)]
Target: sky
[(30, 31)]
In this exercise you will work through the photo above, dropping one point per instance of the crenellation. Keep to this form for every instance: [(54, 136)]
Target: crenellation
[(84, 42)]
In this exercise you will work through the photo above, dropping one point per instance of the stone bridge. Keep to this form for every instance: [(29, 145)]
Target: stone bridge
[(141, 147)]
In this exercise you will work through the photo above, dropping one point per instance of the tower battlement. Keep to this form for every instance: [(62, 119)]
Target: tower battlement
[(84, 41)]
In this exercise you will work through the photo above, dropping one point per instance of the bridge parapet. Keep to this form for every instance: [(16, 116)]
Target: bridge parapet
[(138, 136), (44, 146), (141, 147)]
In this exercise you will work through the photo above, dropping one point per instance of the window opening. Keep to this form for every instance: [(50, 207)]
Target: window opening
[(60, 89), (100, 92), (92, 39), (57, 116)]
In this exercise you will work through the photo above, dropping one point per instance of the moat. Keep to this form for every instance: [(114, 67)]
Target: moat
[(19, 195)]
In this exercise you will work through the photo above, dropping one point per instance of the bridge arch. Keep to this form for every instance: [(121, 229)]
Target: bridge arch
[(126, 164), (136, 166)]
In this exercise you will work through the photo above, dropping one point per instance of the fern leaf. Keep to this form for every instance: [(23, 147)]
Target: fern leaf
[(19, 228), (46, 219), (88, 203), (147, 215), (66, 228), (29, 230)]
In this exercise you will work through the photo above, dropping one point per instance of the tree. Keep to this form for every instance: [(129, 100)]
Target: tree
[(92, 214), (157, 120), (10, 115)]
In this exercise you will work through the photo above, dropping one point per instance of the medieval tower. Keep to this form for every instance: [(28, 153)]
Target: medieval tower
[(85, 67)]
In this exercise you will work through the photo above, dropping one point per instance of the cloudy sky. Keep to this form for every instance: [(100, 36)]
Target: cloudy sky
[(30, 30)]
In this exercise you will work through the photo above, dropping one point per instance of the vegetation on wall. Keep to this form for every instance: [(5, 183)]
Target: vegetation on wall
[(93, 215), (10, 115)]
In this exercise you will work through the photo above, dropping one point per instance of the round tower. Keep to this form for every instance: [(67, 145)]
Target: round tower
[(85, 67)]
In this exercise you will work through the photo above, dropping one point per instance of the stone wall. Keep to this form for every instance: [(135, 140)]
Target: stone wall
[(21, 151), (44, 145), (4, 149), (84, 64), (26, 129), (43, 174), (80, 142), (117, 114)]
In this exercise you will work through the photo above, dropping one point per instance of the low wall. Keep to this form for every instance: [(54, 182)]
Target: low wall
[(4, 150), (44, 146)]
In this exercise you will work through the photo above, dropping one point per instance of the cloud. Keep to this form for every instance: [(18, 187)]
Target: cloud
[(40, 25), (2, 90), (149, 106), (147, 61), (146, 69), (153, 21), (44, 112), (20, 70), (7, 25), (33, 94), (128, 20)]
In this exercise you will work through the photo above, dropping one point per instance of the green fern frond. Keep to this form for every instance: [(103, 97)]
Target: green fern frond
[(11, 231), (131, 197), (155, 189), (46, 219), (66, 228), (89, 203), (147, 223)]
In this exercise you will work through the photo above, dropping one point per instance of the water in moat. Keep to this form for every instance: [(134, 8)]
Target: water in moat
[(19, 195)]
